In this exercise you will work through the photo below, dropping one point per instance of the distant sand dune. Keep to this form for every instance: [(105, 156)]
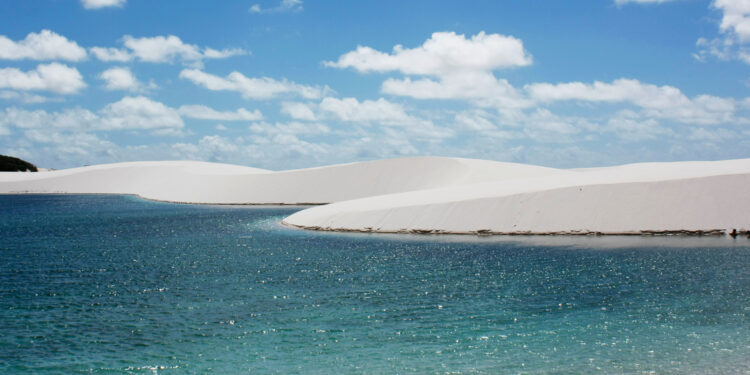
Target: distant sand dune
[(442, 195), (211, 183)]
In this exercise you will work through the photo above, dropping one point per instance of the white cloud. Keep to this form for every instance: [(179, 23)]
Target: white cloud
[(284, 6), (23, 97), (52, 77), (462, 67), (123, 79), (298, 111), (111, 54), (210, 53), (74, 148), (712, 136), (545, 126), (98, 4), (130, 113), (210, 147), (658, 101), (290, 128), (366, 111), (480, 87), (75, 118), (167, 49), (381, 112), (45, 45), (629, 126), (735, 17), (539, 125), (445, 53), (139, 113), (251, 88), (283, 139), (162, 49), (721, 48), (475, 120), (203, 112), (735, 25)]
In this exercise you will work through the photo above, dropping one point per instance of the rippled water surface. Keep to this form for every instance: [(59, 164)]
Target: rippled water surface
[(114, 284)]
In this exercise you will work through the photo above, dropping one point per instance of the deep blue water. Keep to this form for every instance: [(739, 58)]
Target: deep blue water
[(115, 284)]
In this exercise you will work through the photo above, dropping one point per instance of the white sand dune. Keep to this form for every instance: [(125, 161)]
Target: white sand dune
[(211, 183), (441, 195), (630, 199)]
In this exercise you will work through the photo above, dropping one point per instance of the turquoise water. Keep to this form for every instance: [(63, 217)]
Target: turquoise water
[(114, 284)]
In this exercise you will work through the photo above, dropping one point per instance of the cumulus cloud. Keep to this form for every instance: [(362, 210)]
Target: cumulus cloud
[(284, 6), (111, 54), (252, 88), (712, 136), (289, 128), (130, 113), (460, 68), (475, 120), (139, 113), (123, 79), (203, 112), (658, 101), (735, 27), (298, 111), (369, 111), (162, 49), (23, 97), (452, 67), (443, 54), (483, 88), (285, 139), (630, 126), (735, 17), (380, 112), (75, 118), (45, 45), (53, 77), (98, 4)]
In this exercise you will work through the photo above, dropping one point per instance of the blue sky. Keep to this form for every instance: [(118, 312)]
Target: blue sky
[(299, 83)]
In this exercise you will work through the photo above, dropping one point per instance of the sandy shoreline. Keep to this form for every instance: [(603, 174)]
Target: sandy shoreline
[(427, 195)]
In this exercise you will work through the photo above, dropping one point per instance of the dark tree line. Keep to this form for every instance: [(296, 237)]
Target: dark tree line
[(11, 164)]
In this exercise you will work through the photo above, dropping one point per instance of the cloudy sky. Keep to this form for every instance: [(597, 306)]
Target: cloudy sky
[(286, 84)]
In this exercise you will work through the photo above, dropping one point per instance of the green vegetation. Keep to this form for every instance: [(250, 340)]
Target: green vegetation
[(11, 164)]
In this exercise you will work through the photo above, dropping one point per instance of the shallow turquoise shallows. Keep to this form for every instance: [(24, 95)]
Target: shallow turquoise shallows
[(115, 284)]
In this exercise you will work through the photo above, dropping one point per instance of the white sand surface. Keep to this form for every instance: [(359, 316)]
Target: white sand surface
[(628, 199), (211, 183), (441, 195)]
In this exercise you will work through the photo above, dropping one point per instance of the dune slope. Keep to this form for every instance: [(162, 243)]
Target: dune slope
[(699, 197), (210, 183), (441, 195)]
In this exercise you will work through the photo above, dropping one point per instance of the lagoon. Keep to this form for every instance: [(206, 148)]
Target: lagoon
[(117, 284)]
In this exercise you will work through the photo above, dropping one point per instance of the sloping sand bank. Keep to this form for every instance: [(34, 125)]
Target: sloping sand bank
[(211, 183), (654, 198), (442, 195)]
